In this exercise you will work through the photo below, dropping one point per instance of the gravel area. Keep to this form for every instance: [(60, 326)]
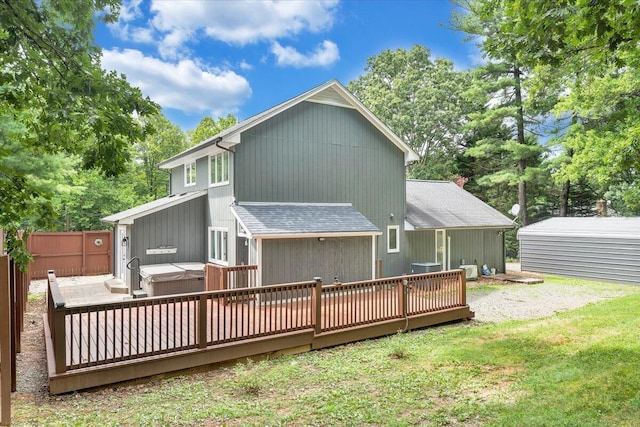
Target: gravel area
[(521, 302)]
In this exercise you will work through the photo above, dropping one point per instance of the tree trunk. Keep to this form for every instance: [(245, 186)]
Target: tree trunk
[(522, 163), (564, 198)]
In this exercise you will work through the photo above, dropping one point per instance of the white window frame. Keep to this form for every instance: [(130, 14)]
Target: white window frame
[(213, 169), (221, 253), (188, 168), (396, 249)]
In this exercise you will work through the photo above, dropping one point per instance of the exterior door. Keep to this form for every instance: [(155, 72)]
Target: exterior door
[(122, 246)]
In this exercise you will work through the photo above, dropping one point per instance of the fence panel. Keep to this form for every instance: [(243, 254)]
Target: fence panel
[(72, 253)]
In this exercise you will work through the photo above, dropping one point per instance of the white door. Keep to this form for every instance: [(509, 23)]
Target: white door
[(441, 248), (122, 249)]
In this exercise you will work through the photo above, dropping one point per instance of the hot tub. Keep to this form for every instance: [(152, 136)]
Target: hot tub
[(175, 278)]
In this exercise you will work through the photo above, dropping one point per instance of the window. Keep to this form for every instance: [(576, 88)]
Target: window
[(218, 238), (393, 239), (219, 168), (190, 174)]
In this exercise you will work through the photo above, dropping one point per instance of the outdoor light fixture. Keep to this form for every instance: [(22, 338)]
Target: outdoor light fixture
[(320, 239), (391, 215)]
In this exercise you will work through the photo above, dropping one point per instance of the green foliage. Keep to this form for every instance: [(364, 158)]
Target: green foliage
[(419, 98), (209, 127), (55, 99)]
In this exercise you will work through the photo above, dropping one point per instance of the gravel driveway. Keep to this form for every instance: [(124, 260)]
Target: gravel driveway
[(520, 302)]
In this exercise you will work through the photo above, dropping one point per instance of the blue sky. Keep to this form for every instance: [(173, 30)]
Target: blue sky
[(218, 57)]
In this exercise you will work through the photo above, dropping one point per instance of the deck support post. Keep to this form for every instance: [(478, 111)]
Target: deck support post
[(317, 305)]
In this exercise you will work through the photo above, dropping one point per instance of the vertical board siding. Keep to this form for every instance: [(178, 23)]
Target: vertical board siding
[(202, 177), (475, 246), (315, 153), (183, 226), (296, 260), (220, 198), (597, 258)]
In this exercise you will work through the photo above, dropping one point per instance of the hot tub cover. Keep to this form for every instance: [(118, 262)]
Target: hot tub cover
[(171, 272)]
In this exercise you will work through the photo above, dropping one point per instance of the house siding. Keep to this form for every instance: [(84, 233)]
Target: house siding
[(294, 260), (180, 226), (317, 153), (474, 246), (583, 256), (202, 177)]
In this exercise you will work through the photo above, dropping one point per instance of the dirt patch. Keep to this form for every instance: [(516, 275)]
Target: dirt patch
[(31, 362)]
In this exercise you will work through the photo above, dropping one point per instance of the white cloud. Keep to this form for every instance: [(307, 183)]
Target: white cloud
[(245, 66), (323, 56), (183, 85), (241, 23), (130, 10)]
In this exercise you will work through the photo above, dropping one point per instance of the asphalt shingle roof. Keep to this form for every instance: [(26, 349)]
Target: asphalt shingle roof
[(154, 206), (262, 219), (615, 227), (441, 204)]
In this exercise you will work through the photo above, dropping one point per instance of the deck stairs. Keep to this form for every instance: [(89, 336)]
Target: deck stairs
[(116, 286)]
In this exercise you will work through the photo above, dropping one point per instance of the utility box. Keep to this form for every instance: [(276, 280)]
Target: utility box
[(471, 271), (425, 267)]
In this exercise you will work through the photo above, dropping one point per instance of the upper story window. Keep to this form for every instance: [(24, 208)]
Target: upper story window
[(393, 239), (219, 168), (190, 174)]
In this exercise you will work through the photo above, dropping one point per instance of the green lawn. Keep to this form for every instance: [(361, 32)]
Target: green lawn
[(579, 368)]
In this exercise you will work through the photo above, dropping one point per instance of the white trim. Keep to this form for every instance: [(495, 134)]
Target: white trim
[(153, 207), (397, 248), (314, 235), (291, 204), (443, 263), (187, 166), (373, 257), (259, 263), (211, 259), (448, 252), (240, 230)]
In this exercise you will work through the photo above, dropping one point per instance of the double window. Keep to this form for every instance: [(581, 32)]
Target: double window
[(190, 174), (218, 238), (219, 168)]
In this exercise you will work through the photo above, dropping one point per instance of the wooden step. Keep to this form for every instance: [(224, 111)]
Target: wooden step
[(116, 286)]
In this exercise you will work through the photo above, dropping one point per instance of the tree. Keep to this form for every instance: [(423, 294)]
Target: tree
[(209, 127), (165, 141), (503, 80), (55, 98), (593, 49), (419, 99)]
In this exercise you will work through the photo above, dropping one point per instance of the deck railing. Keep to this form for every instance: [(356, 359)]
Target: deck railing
[(234, 277), (100, 334)]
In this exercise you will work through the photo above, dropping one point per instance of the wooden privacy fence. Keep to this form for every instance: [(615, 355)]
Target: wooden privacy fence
[(101, 335), (82, 253)]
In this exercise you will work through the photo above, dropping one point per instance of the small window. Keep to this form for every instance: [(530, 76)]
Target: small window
[(218, 238), (219, 169), (393, 238), (190, 174)]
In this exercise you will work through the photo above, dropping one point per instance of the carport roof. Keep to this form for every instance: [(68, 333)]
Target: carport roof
[(130, 215), (279, 220), (444, 205)]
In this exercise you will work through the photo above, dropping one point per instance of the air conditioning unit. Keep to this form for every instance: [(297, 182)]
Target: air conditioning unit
[(471, 270)]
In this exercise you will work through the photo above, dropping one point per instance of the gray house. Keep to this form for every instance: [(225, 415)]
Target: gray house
[(597, 248), (312, 187)]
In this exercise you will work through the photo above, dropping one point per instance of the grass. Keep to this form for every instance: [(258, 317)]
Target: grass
[(578, 368)]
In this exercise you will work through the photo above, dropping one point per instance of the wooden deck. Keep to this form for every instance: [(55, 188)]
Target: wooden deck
[(100, 344)]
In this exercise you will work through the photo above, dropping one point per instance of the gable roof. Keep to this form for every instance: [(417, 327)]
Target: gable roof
[(130, 215), (442, 204), (264, 220), (331, 93), (610, 227)]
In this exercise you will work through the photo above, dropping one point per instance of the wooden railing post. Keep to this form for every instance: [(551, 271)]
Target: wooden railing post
[(317, 304), (57, 326), (202, 321), (402, 297), (463, 286), (5, 343)]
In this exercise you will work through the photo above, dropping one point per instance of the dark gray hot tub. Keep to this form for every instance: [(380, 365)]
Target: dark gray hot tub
[(175, 278)]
